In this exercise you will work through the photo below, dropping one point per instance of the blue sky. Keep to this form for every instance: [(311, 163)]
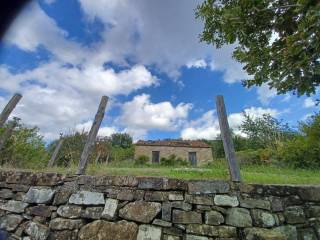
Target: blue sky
[(145, 55)]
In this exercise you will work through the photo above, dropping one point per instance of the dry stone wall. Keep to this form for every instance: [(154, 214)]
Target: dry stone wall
[(53, 206)]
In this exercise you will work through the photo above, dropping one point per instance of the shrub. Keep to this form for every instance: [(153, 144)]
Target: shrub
[(172, 160), (300, 153), (259, 156), (142, 160), (303, 151)]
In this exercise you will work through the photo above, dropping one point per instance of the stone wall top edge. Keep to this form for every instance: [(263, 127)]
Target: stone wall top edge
[(144, 182)]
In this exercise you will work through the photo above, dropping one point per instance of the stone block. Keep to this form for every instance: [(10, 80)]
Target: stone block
[(200, 200), (149, 232), (263, 234), (294, 214), (311, 193), (65, 224), (14, 206), (140, 211), (87, 198), (37, 231), (39, 195), (40, 210), (207, 187), (110, 209), (263, 218), (226, 200), (69, 211), (109, 230), (238, 217), (176, 197), (92, 212), (214, 218), (184, 217), (212, 231), (10, 222), (157, 196), (6, 193), (288, 230), (161, 223), (255, 203), (62, 196)]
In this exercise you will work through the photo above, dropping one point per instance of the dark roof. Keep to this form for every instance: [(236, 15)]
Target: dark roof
[(174, 143)]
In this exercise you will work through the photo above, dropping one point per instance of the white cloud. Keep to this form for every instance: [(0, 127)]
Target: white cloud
[(103, 131), (141, 115), (309, 103), (162, 34), (33, 28), (200, 63), (159, 33), (265, 94), (207, 126), (62, 97)]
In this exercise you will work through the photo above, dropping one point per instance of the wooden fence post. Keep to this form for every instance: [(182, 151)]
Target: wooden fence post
[(92, 136), (228, 146), (51, 163), (9, 108)]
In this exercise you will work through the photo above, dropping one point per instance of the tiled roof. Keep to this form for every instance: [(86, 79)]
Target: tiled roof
[(174, 143)]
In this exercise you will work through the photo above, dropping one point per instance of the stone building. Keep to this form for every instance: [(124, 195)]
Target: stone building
[(195, 151)]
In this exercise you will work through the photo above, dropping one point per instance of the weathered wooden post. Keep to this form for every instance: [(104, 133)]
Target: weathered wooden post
[(9, 108), (55, 152), (92, 136), (228, 146)]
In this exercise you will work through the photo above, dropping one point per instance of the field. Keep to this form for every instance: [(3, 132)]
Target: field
[(250, 173)]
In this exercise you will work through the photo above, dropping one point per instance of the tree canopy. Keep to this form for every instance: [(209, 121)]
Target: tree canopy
[(277, 41)]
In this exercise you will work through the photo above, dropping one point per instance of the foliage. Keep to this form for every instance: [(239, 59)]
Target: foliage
[(25, 148), (121, 154), (71, 149), (122, 140), (303, 151), (173, 160), (142, 160), (240, 143), (277, 41), (116, 148), (265, 131), (255, 157)]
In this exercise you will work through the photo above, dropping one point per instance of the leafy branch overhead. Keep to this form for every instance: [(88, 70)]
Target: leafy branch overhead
[(278, 41)]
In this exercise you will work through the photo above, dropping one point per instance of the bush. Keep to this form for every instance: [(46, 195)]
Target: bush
[(300, 153), (142, 160), (172, 160), (303, 151), (259, 156)]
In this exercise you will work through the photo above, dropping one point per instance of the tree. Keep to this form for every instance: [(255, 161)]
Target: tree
[(122, 140), (303, 151), (265, 131), (277, 41), (25, 148)]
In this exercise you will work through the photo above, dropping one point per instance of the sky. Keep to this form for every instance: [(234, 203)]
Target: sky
[(62, 56)]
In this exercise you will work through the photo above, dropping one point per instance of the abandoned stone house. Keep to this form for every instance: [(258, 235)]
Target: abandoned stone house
[(194, 151)]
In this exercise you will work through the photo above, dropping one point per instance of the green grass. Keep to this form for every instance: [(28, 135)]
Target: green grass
[(218, 170)]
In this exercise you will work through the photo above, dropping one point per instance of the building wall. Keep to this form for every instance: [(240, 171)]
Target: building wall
[(48, 206), (203, 154)]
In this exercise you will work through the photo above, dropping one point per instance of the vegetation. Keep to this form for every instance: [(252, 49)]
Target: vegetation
[(172, 160), (25, 148), (271, 152), (142, 160), (277, 41), (303, 151)]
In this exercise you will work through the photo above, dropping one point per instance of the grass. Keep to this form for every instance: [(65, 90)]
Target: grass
[(218, 170)]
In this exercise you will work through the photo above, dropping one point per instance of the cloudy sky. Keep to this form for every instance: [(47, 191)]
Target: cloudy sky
[(62, 56)]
